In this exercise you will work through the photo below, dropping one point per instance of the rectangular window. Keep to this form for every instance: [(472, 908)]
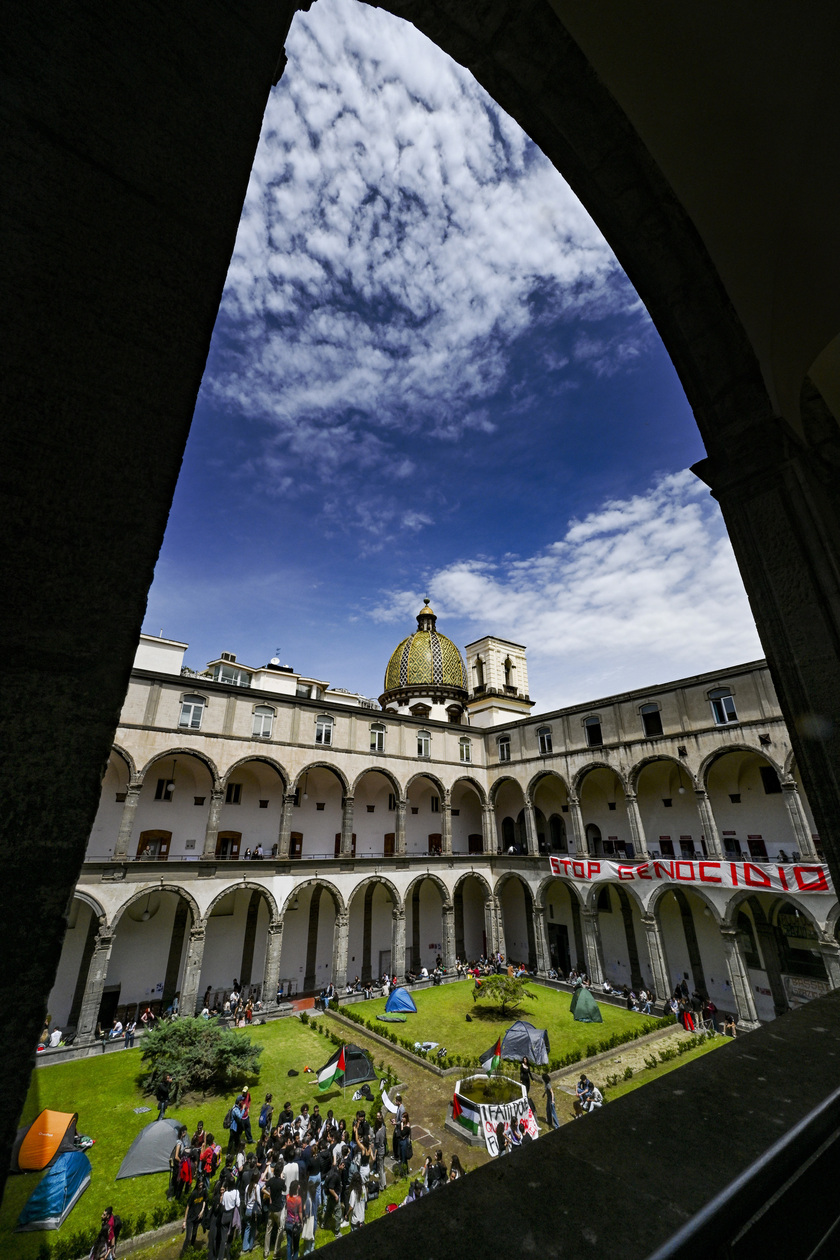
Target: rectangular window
[(723, 709), (435, 804), (466, 750), (233, 794), (504, 750), (263, 720), (424, 744), (191, 711), (377, 739), (392, 801), (164, 789), (304, 691), (652, 720), (594, 738), (770, 779), (323, 733), (544, 738)]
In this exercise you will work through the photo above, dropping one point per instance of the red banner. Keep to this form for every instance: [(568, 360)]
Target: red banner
[(791, 877)]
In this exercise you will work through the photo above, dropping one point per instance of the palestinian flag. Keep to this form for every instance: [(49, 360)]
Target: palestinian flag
[(332, 1073), (492, 1061), (466, 1115)]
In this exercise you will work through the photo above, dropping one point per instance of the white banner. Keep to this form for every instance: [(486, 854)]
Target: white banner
[(509, 1114), (792, 877)]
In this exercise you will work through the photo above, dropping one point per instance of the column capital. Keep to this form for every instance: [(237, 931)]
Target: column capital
[(630, 795), (134, 787), (701, 792), (217, 793), (342, 919), (447, 908), (348, 799), (197, 932), (104, 938), (397, 913), (275, 927)]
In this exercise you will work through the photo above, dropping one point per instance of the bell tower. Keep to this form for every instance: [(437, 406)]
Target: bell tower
[(497, 679)]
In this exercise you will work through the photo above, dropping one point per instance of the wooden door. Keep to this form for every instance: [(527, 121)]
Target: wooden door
[(338, 844), (296, 844), (389, 847), (154, 845), (435, 842), (227, 845), (476, 843)]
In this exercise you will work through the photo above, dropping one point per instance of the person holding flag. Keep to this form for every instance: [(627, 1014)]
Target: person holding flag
[(332, 1073)]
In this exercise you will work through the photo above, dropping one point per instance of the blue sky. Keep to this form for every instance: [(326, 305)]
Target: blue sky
[(430, 376)]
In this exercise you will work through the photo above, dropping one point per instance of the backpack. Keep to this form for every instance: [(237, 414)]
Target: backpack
[(228, 1120), (264, 1114), (117, 1227)]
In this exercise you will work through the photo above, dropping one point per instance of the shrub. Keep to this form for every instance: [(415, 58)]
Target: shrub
[(628, 1072), (140, 1224), (199, 1055), (158, 1217), (304, 1018)]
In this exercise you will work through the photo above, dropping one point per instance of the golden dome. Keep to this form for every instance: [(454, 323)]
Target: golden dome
[(426, 658)]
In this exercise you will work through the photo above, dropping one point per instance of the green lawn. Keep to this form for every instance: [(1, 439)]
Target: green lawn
[(662, 1069), (442, 1011), (104, 1091)]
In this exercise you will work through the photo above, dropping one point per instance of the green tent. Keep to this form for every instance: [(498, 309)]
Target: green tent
[(584, 1008)]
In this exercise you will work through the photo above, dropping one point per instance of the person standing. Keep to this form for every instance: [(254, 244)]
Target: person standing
[(356, 1202), (130, 1030), (163, 1094), (274, 1195), (197, 1205), (332, 1194), (525, 1078), (380, 1141), (550, 1109), (294, 1220)]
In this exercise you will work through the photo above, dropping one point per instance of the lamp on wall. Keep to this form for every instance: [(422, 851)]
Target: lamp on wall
[(146, 915), (305, 793)]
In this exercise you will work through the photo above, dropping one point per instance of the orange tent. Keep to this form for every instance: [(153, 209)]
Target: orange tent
[(38, 1143)]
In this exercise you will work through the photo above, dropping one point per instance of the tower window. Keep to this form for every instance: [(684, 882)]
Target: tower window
[(377, 737), (233, 794), (424, 744), (192, 707), (504, 747), (544, 740), (723, 706), (592, 727), (263, 721), (651, 719), (465, 746), (324, 730)]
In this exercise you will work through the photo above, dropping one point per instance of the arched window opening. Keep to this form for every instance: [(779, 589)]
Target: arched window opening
[(651, 719), (557, 832), (377, 737), (324, 730), (479, 673), (424, 744), (503, 742), (592, 728), (192, 708), (263, 721), (723, 706), (797, 939), (544, 740), (508, 835), (593, 839), (465, 748)]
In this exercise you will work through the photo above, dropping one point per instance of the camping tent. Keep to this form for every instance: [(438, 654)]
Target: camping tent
[(400, 1001), (150, 1150), (37, 1144), (523, 1039), (357, 1066), (56, 1194), (584, 1008)]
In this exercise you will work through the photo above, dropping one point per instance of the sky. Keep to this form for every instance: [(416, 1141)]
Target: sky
[(430, 376)]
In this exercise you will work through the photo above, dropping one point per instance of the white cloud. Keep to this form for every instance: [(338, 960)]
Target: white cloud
[(399, 234), (641, 591)]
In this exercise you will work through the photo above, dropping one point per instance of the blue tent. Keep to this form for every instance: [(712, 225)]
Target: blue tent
[(400, 1000), (57, 1193)]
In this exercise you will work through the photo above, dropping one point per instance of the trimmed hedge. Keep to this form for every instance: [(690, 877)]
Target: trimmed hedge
[(72, 1246)]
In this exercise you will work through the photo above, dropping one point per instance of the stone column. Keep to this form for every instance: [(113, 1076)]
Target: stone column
[(399, 836), (284, 838), (448, 920), (492, 915), (489, 841), (803, 839), (341, 935), (129, 813), (95, 987), (541, 939), (830, 951), (592, 945), (577, 828), (192, 970), (637, 831), (347, 826), (707, 822), (739, 979), (531, 828), (271, 971), (657, 955), (446, 824), (211, 835), (398, 943)]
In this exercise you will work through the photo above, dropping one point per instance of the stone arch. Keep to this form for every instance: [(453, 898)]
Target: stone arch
[(539, 777), (386, 883), (129, 761), (708, 761), (89, 900), (445, 895), (593, 893), (281, 771), (251, 886), (658, 893), (324, 765), (506, 877), (832, 920), (482, 880), (779, 896), (426, 774), (636, 770), (546, 883), (208, 762), (498, 784), (596, 765), (473, 783), (387, 774), (179, 891), (338, 900)]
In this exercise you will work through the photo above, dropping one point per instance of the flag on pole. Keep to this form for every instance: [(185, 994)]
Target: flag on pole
[(466, 1114), (332, 1073), (492, 1060)]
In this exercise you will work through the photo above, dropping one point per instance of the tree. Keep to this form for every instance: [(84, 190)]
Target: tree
[(199, 1055), (505, 993)]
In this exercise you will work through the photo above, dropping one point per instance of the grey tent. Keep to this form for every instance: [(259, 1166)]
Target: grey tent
[(584, 1008), (357, 1067), (150, 1150), (523, 1039)]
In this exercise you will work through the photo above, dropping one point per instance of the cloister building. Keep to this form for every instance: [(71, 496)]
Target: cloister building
[(258, 824)]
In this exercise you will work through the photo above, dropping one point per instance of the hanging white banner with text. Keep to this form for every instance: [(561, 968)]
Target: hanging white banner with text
[(792, 877)]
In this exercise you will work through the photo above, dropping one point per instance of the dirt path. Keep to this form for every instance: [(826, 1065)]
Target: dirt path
[(631, 1055)]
